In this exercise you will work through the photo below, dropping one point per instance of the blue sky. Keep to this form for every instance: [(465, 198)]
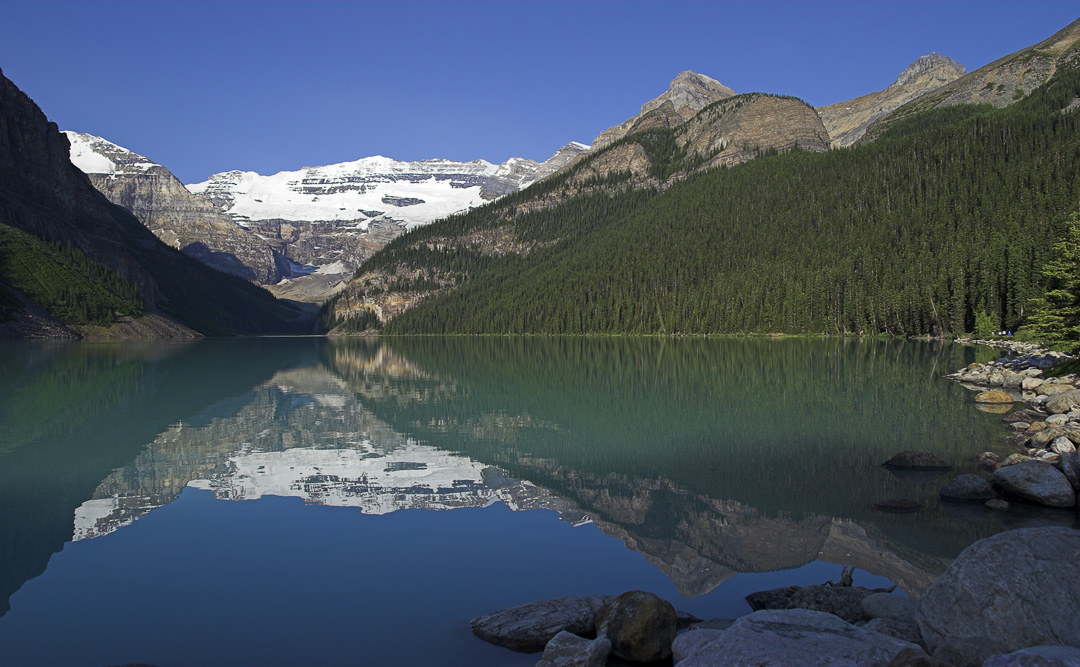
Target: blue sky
[(203, 87)]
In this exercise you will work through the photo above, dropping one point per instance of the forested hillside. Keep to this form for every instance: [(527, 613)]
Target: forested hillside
[(950, 213)]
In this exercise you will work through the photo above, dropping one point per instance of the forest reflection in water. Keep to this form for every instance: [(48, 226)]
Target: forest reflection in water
[(708, 457)]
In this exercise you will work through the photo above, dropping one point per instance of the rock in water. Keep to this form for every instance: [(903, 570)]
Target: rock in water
[(917, 460), (640, 625), (968, 488), (993, 397), (568, 650), (795, 638), (1038, 482), (529, 627), (1004, 593)]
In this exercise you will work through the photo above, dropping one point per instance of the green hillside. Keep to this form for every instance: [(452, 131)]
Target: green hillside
[(950, 213), (63, 280)]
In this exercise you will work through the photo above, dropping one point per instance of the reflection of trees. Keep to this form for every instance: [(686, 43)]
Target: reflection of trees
[(795, 429)]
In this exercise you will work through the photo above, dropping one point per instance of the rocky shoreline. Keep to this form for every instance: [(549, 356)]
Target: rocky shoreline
[(1010, 600)]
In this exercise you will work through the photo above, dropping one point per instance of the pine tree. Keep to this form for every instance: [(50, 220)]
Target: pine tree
[(1056, 315)]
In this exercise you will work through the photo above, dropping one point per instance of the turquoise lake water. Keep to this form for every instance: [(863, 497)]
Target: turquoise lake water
[(318, 501)]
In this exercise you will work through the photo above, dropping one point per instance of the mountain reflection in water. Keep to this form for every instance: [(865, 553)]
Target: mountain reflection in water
[(708, 457)]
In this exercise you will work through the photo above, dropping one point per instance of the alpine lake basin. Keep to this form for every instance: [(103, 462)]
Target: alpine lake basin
[(336, 501)]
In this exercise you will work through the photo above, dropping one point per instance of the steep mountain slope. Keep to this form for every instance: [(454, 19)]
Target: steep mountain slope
[(948, 215), (42, 193), (555, 212), (326, 220), (847, 121), (1001, 82), (186, 222), (687, 94)]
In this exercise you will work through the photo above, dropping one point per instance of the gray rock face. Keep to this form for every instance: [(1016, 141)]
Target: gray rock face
[(889, 605), (569, 650), (917, 459), (967, 488), (689, 642), (529, 627), (640, 625), (795, 638), (1070, 467), (180, 219), (1037, 656), (1063, 402), (1004, 593), (905, 630), (1037, 481)]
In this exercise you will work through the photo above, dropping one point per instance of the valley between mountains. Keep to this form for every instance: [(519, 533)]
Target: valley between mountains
[(920, 209)]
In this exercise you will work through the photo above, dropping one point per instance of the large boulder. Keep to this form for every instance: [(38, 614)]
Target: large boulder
[(917, 459), (640, 625), (568, 650), (1037, 481), (690, 641), (795, 638), (1063, 402), (967, 488), (1003, 593), (1054, 389), (529, 627), (1037, 656), (1070, 467)]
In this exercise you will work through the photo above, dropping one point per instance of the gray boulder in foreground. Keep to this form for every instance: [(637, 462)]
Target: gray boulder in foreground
[(529, 627), (568, 650), (1004, 593), (1037, 656), (889, 605), (1038, 482), (794, 638)]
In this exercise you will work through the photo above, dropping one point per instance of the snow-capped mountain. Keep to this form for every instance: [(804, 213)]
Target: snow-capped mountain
[(302, 233), (373, 188)]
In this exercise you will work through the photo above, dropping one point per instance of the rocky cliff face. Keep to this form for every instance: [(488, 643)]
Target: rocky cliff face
[(847, 121), (43, 193), (186, 222), (688, 94), (1003, 81)]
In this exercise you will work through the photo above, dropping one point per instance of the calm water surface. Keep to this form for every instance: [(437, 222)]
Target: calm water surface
[(357, 501)]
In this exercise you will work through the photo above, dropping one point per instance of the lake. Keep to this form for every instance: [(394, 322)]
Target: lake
[(315, 501)]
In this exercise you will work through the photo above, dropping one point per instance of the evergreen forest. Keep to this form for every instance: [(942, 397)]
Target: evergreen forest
[(948, 216)]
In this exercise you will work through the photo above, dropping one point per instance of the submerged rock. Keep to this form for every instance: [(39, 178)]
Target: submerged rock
[(967, 488), (917, 459), (898, 505), (529, 627), (1004, 593), (795, 638)]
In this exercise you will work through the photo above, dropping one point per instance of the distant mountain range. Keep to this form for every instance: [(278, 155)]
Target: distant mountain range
[(304, 234)]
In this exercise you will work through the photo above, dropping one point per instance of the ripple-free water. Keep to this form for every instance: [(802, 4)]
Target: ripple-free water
[(356, 501)]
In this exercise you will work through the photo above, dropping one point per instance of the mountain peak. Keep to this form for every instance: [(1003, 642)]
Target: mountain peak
[(690, 92), (935, 64)]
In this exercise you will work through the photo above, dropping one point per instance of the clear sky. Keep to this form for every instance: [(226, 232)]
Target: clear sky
[(204, 87)]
